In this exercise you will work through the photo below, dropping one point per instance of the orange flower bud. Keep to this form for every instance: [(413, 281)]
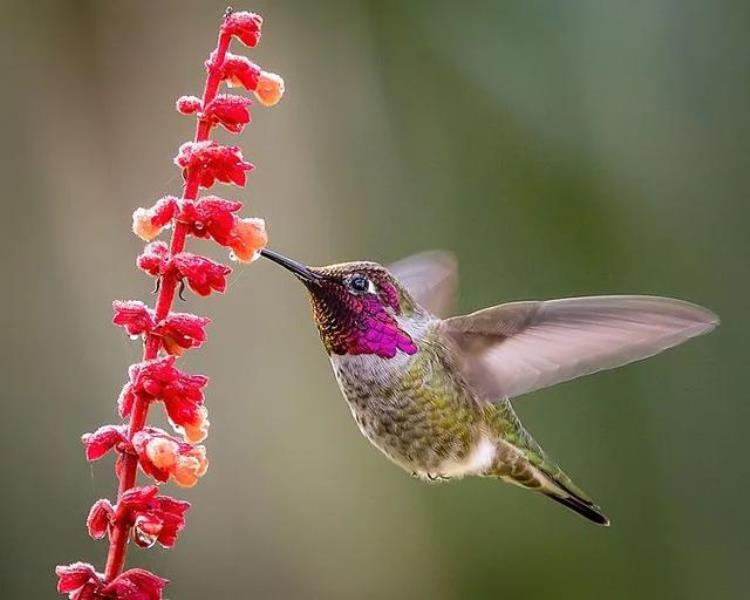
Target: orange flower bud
[(190, 467), (270, 88), (162, 452), (247, 238), (197, 431)]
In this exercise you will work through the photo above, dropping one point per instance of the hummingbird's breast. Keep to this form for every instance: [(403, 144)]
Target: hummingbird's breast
[(414, 409)]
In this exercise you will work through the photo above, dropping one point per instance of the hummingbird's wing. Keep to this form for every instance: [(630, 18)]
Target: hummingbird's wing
[(515, 348), (430, 278)]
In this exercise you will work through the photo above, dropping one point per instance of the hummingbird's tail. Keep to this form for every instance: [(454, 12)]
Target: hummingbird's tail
[(520, 460), (582, 505), (533, 471)]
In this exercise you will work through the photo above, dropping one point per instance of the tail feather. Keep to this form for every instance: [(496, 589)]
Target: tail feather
[(561, 488), (520, 460), (585, 509)]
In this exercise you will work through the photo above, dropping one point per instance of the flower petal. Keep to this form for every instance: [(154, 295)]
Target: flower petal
[(135, 584), (155, 259), (74, 576), (181, 331), (133, 315), (213, 162), (103, 440), (100, 516), (149, 222), (228, 110), (239, 71), (202, 274)]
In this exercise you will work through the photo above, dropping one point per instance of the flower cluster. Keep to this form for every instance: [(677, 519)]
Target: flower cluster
[(81, 582), (143, 514)]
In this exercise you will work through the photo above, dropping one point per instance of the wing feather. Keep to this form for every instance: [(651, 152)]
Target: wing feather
[(516, 348), (430, 278)]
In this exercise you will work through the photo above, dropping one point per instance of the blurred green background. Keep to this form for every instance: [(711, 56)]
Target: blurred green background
[(559, 148)]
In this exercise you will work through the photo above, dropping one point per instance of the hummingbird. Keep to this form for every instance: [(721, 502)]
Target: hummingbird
[(433, 393)]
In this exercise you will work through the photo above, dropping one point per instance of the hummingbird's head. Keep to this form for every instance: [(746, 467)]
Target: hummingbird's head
[(359, 307)]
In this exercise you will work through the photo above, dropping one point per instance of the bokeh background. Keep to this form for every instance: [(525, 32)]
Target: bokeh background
[(557, 148)]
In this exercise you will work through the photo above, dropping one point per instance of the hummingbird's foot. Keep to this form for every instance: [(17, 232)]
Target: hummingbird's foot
[(181, 292), (157, 285), (429, 476)]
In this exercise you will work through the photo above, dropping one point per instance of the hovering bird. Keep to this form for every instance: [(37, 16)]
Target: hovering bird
[(433, 393)]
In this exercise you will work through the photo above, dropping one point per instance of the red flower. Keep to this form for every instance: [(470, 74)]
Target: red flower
[(238, 71), (155, 259), (134, 316), (182, 394), (211, 216), (213, 162), (135, 584), (247, 238), (103, 440), (162, 456), (153, 518), (148, 222), (243, 25), (228, 110), (81, 582), (202, 274), (178, 331), (181, 331)]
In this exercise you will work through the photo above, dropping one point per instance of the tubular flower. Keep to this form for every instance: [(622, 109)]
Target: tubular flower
[(247, 238), (270, 89), (105, 438), (203, 275), (239, 71), (153, 518), (213, 162), (162, 457), (182, 394), (177, 331), (155, 259), (245, 26), (81, 582), (149, 222), (211, 216), (229, 111), (134, 316), (181, 331)]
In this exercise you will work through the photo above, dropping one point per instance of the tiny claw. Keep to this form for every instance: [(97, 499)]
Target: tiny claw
[(157, 286), (181, 291)]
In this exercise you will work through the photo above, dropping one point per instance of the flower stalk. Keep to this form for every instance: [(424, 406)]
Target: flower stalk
[(142, 513)]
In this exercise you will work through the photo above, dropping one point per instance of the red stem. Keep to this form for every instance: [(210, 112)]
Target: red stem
[(118, 544)]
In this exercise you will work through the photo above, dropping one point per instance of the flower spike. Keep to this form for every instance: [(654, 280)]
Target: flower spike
[(140, 513)]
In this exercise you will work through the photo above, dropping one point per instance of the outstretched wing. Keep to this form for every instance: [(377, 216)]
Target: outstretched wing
[(430, 278), (515, 348)]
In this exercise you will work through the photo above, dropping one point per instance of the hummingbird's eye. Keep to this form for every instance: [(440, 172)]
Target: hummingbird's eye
[(360, 284)]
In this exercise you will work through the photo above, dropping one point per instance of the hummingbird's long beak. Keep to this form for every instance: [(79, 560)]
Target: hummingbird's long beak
[(301, 271)]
